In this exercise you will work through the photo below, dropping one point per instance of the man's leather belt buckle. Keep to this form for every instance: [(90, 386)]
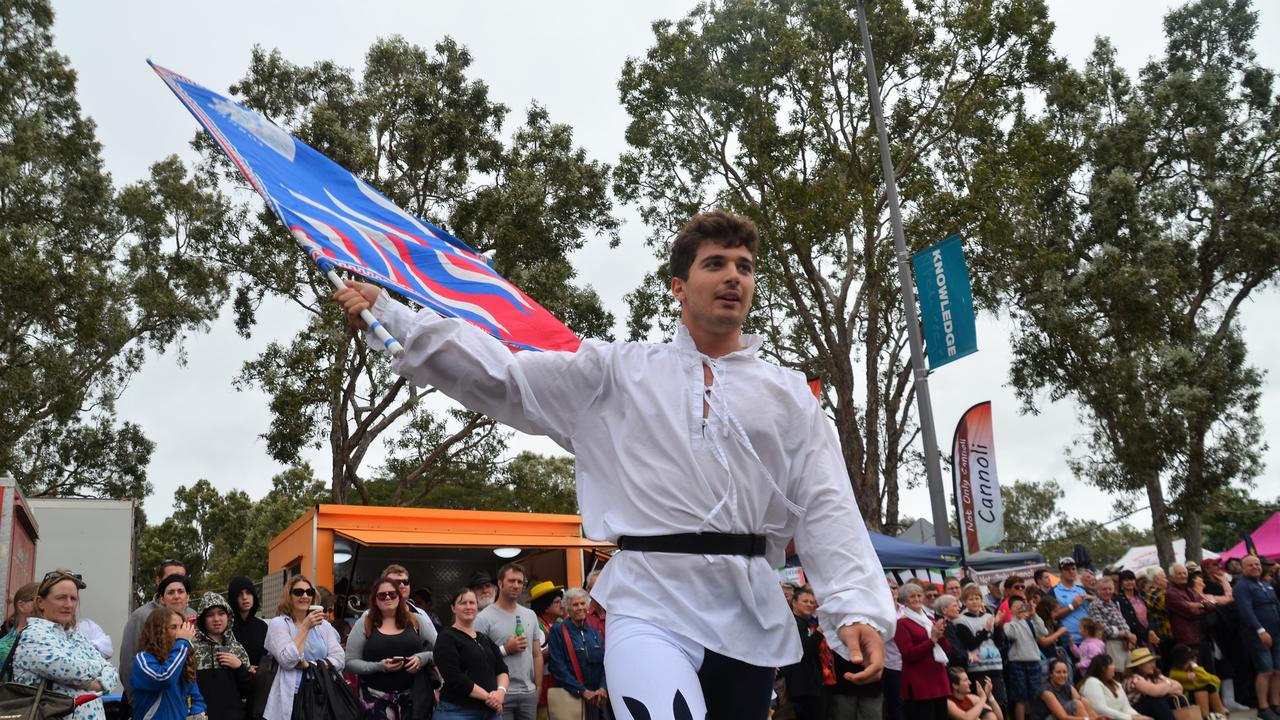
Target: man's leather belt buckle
[(696, 544)]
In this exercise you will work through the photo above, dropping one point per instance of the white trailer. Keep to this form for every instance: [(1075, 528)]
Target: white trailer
[(95, 539)]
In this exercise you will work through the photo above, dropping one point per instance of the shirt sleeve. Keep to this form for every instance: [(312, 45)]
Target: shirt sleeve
[(334, 654), (541, 393), (94, 633), (355, 662), (427, 632), (196, 700), (832, 540), (280, 643), (151, 674)]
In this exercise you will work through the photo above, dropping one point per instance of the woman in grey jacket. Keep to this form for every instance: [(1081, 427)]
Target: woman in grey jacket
[(390, 648)]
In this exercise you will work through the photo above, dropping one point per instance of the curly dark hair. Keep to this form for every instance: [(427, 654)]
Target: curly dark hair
[(155, 639), (723, 228)]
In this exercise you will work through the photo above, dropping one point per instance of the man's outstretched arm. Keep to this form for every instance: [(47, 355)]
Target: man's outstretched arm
[(542, 393)]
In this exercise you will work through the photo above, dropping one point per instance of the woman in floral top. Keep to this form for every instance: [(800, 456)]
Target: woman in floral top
[(52, 649)]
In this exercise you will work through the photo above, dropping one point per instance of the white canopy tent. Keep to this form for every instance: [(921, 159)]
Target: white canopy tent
[(1143, 556)]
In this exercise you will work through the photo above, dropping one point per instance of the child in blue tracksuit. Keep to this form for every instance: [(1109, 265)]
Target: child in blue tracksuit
[(163, 677)]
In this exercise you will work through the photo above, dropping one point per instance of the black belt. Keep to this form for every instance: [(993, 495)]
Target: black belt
[(696, 544)]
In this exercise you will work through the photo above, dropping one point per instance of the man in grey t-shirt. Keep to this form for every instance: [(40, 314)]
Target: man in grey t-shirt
[(520, 650)]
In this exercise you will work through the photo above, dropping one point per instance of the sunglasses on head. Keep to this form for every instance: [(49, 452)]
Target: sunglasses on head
[(299, 592), (387, 595), (56, 576)]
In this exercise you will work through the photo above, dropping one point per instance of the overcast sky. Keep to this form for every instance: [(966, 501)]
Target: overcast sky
[(566, 56)]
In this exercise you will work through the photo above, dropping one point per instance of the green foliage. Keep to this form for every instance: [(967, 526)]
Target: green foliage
[(761, 108), (93, 278), (1035, 519), (528, 483), (414, 125), (218, 535), (1233, 511), (1147, 216)]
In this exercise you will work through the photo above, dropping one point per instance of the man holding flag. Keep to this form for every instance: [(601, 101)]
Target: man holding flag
[(700, 461)]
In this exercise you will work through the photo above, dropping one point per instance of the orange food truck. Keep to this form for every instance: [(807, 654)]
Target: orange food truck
[(344, 547)]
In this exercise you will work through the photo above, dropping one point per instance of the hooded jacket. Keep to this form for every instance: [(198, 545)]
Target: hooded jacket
[(252, 630), (225, 690)]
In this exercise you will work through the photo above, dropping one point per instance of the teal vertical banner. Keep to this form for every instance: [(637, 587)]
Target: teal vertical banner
[(946, 302)]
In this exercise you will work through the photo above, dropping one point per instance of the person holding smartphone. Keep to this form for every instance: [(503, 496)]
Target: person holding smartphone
[(222, 663), (384, 649), (298, 637)]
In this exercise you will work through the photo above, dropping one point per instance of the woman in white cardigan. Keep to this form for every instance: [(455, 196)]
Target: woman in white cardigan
[(296, 638), (1104, 692)]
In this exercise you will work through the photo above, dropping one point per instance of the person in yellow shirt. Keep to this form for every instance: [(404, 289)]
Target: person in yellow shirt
[(1199, 685)]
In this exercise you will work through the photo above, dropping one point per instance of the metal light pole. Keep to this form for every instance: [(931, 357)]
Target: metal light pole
[(933, 470)]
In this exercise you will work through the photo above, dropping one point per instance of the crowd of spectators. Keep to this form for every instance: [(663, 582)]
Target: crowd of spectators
[(1118, 644), (1076, 646), (220, 661)]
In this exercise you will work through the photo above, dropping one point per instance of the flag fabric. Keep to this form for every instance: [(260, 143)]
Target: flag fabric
[(946, 302), (342, 222), (1250, 547), (977, 487)]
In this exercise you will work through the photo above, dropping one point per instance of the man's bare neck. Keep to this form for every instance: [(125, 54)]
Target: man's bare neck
[(716, 345), (508, 605)]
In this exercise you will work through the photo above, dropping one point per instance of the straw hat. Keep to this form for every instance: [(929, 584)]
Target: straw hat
[(1141, 656)]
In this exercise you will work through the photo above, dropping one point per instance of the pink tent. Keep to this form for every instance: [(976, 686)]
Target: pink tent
[(1266, 537)]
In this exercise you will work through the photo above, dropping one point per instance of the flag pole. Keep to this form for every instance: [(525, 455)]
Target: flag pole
[(392, 345), (924, 405)]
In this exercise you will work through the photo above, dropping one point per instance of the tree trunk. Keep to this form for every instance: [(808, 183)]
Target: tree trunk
[(1193, 524), (1194, 493), (1160, 520)]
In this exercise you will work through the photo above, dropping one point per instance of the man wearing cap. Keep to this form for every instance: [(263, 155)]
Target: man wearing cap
[(485, 589), (514, 629), (1259, 612), (1073, 600), (701, 461)]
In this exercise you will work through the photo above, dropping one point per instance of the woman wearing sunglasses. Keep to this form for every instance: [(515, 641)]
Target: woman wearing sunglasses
[(385, 649), (297, 637), (52, 649)]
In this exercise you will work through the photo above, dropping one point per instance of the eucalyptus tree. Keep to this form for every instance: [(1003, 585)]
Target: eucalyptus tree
[(94, 277), (413, 124), (1149, 212), (761, 107)]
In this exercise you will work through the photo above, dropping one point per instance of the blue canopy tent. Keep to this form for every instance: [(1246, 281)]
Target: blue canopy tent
[(898, 554)]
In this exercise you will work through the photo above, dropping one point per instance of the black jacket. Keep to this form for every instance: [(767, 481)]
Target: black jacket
[(804, 679), (252, 630), (1131, 617)]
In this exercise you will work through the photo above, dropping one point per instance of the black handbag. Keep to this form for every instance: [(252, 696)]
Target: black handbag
[(310, 701), (342, 703), (324, 695), (24, 702)]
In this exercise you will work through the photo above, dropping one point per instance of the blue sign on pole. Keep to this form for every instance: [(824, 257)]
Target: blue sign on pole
[(946, 302)]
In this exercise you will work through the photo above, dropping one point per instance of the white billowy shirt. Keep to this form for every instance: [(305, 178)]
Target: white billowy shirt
[(765, 460)]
